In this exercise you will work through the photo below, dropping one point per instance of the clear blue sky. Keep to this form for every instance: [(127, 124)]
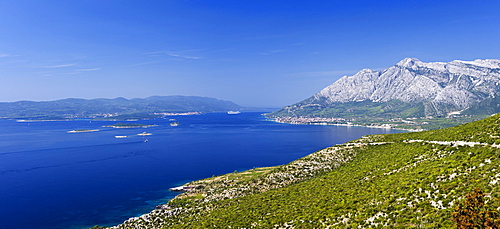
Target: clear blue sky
[(255, 53)]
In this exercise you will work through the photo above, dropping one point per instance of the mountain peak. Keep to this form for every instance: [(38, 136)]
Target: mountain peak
[(425, 89), (408, 62), (366, 70)]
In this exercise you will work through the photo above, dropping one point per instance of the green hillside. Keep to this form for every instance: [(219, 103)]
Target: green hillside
[(394, 113), (354, 110), (409, 180)]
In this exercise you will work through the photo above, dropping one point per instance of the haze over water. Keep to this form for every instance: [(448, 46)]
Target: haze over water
[(53, 179)]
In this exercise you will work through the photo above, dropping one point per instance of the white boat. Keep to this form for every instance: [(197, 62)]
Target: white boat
[(233, 112), (144, 134), (120, 136)]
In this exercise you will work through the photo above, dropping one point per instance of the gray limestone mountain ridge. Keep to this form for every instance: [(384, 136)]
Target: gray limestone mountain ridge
[(425, 89)]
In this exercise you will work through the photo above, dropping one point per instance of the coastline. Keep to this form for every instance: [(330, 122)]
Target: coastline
[(195, 194), (311, 121), (202, 194), (199, 190)]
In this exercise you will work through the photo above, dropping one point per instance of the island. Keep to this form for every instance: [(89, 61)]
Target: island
[(129, 125), (113, 109), (81, 131)]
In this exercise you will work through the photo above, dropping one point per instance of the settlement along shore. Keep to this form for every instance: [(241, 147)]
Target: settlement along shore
[(335, 122)]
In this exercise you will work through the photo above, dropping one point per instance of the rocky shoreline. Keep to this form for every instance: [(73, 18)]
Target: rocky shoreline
[(202, 194)]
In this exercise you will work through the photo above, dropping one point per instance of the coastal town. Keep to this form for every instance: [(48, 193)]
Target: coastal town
[(335, 122)]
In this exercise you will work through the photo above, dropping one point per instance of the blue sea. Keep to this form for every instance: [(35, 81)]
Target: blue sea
[(53, 179)]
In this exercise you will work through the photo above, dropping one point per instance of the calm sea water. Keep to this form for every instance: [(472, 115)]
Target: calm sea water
[(53, 179)]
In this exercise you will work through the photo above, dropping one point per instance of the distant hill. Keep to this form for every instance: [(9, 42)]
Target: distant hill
[(112, 108), (409, 89), (408, 180)]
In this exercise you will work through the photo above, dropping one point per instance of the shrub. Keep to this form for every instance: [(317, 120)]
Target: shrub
[(473, 213)]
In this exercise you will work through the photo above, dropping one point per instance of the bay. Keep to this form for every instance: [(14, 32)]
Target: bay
[(53, 179)]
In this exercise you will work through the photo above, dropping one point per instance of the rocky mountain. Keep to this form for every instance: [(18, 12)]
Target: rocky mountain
[(113, 108), (410, 88)]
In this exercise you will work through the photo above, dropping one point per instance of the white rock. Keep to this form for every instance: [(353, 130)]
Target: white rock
[(454, 85)]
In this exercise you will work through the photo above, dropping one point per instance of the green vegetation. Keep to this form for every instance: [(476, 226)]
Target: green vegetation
[(394, 114), (352, 109), (431, 123), (409, 180)]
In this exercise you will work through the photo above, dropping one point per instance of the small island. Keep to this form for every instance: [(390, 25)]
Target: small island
[(129, 125), (81, 131)]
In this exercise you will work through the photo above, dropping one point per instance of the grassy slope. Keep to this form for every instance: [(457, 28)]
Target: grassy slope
[(381, 180), (356, 110)]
